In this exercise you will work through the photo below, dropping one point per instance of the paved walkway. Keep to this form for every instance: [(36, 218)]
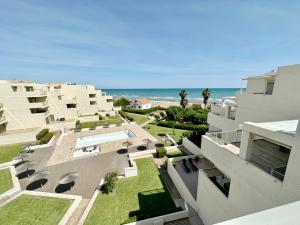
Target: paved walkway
[(90, 170)]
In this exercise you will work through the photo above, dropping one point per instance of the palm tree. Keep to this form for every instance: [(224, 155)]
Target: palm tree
[(206, 94), (183, 101)]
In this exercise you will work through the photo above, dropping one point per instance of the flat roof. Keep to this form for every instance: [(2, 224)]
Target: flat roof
[(282, 215), (286, 126)]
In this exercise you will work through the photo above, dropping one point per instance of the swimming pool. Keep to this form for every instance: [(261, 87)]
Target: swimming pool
[(103, 138)]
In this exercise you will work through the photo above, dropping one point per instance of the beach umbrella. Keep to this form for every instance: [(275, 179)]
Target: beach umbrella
[(26, 165), (127, 144), (39, 176), (68, 178), (22, 156), (165, 139), (147, 141)]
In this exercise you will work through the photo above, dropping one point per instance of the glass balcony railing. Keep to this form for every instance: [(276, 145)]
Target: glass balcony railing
[(226, 137)]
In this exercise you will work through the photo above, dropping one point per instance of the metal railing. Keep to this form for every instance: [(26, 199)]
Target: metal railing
[(225, 137)]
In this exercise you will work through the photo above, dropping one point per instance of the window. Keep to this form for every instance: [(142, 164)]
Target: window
[(270, 87)]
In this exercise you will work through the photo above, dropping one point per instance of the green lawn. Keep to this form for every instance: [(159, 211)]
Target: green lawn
[(138, 197), (5, 180), (139, 119), (8, 152), (110, 120), (159, 132), (34, 210), (176, 153)]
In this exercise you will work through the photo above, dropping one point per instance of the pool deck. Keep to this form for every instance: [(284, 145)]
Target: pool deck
[(63, 152)]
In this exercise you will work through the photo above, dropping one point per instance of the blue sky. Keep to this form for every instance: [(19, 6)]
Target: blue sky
[(147, 43)]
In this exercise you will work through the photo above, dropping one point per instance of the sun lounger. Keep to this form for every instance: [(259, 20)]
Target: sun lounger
[(194, 168), (185, 167)]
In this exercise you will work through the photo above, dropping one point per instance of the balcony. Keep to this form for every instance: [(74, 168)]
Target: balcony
[(218, 178), (188, 169), (36, 93), (38, 104), (269, 157), (230, 140), (218, 110), (3, 120)]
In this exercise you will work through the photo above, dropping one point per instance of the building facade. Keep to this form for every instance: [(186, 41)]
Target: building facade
[(251, 151), (25, 104)]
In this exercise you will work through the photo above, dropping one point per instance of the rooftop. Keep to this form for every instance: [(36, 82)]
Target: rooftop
[(143, 100), (287, 126)]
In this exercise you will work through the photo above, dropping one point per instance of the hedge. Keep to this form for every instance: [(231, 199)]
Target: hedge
[(183, 126), (41, 134), (126, 116), (161, 152), (142, 111), (46, 138)]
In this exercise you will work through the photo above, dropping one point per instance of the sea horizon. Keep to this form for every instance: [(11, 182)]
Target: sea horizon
[(169, 94)]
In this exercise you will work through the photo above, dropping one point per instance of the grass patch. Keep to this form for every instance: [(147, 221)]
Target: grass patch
[(159, 132), (108, 120), (176, 153), (34, 210), (8, 152), (5, 180), (134, 198), (139, 119)]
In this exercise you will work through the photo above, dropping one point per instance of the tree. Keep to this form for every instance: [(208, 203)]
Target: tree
[(206, 94), (109, 182), (183, 100), (123, 102)]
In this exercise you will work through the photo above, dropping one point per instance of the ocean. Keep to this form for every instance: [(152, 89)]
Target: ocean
[(171, 94)]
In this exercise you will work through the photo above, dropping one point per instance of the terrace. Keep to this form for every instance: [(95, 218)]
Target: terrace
[(188, 170), (269, 145)]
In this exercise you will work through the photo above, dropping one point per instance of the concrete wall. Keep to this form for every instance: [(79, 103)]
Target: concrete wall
[(251, 188), (191, 146), (182, 189)]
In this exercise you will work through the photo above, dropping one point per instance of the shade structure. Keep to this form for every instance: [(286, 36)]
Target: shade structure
[(147, 141), (39, 175), (22, 156), (165, 139), (68, 178), (26, 165), (127, 144)]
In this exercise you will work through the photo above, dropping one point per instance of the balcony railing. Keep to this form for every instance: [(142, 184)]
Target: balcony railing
[(226, 137)]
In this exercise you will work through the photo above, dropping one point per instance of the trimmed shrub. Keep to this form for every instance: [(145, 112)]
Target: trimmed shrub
[(126, 116), (161, 152), (109, 182), (41, 134), (142, 111), (183, 126), (46, 138)]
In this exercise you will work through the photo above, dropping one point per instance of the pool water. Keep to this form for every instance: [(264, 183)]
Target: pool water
[(103, 138)]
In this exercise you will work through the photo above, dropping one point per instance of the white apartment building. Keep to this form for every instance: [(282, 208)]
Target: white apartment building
[(25, 104), (249, 160)]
